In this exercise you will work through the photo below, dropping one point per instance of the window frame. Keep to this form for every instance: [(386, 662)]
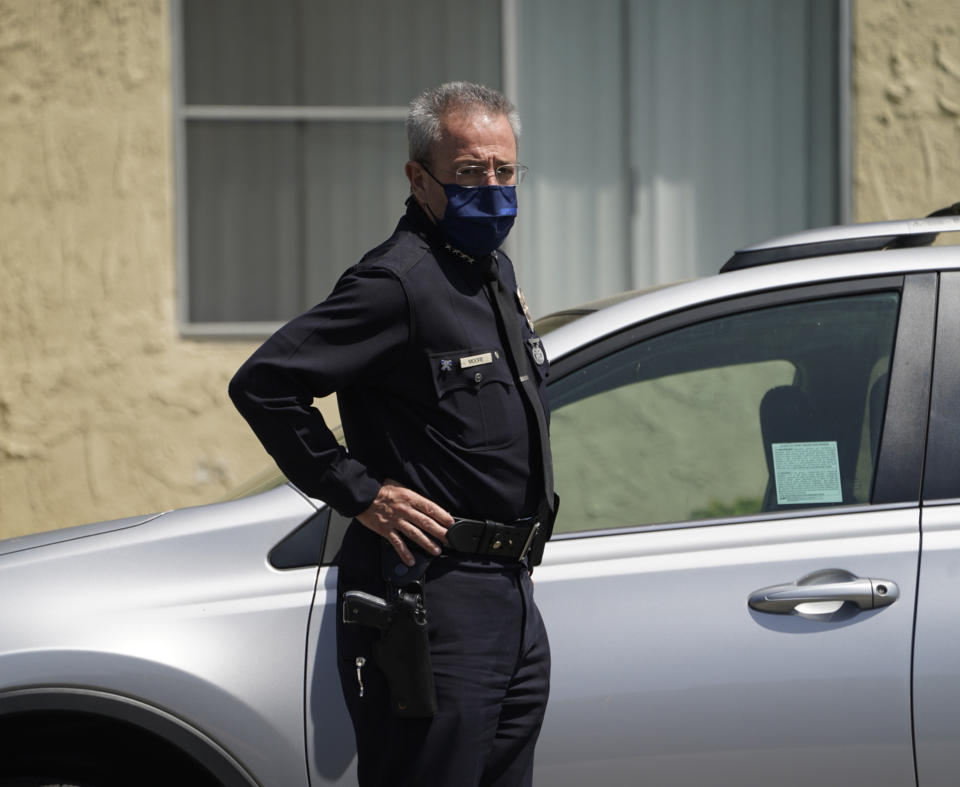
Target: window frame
[(899, 467), (183, 113), (941, 482)]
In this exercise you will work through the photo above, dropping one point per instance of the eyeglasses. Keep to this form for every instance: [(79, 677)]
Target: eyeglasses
[(476, 175)]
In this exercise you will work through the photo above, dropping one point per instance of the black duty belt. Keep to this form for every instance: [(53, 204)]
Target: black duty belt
[(492, 539)]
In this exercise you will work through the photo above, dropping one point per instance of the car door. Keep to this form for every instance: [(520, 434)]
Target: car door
[(730, 589)]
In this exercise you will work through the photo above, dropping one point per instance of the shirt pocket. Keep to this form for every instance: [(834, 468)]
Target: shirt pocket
[(478, 404)]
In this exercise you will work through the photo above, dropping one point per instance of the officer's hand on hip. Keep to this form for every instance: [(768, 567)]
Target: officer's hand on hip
[(398, 513)]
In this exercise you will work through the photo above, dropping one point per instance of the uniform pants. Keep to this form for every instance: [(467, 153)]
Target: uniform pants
[(491, 663)]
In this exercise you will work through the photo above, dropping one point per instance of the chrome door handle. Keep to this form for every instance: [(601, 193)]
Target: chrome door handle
[(828, 585)]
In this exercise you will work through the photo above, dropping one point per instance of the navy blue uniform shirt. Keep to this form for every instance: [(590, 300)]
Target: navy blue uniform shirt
[(408, 340)]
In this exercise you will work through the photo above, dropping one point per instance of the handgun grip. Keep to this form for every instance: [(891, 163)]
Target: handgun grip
[(366, 609)]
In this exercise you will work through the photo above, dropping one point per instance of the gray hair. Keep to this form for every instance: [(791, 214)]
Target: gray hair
[(428, 110)]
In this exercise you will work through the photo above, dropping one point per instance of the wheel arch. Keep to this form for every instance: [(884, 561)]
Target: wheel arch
[(32, 710)]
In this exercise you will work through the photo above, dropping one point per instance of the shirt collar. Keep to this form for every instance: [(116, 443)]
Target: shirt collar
[(417, 217)]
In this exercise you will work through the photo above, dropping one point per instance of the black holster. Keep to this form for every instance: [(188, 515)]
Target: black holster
[(403, 651), (548, 515), (403, 655)]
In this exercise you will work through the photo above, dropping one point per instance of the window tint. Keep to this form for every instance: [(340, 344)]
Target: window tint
[(766, 410)]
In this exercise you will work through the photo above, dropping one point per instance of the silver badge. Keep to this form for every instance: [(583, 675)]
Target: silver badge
[(539, 356), (446, 365)]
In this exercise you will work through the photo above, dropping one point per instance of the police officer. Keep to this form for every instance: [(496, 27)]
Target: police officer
[(439, 379)]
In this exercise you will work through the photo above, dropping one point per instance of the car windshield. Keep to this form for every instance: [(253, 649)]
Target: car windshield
[(550, 322)]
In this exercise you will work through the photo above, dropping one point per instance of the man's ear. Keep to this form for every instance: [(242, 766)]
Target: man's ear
[(416, 175)]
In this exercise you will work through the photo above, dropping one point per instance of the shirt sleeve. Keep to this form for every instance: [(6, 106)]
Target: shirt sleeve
[(352, 336)]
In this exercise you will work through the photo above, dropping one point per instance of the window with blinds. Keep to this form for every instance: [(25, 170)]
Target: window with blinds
[(291, 143)]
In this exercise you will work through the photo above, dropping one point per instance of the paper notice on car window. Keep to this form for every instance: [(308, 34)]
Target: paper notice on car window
[(807, 473)]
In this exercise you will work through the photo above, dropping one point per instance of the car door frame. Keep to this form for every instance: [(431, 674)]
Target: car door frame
[(935, 689), (899, 469)]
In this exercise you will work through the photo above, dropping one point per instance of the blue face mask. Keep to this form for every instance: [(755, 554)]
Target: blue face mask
[(477, 219)]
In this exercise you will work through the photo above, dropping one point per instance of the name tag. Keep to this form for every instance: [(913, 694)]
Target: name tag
[(476, 360)]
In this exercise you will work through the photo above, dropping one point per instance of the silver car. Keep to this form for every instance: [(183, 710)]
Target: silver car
[(749, 582)]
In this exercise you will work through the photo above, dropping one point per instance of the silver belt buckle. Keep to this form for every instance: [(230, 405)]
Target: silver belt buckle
[(526, 547)]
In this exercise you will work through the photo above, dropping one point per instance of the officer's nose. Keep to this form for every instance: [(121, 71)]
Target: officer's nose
[(491, 178)]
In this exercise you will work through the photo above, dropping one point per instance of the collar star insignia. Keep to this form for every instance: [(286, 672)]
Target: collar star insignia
[(459, 253)]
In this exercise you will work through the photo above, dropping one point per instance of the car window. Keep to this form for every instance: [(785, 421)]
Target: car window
[(766, 410)]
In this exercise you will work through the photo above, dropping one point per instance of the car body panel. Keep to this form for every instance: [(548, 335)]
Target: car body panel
[(177, 612), (332, 755), (936, 688), (34, 540), (663, 675)]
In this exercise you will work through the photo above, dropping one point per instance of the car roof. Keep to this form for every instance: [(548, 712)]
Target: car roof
[(783, 266), (844, 239)]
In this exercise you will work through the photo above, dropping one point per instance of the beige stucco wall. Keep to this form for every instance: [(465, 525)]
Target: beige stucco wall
[(906, 119), (104, 410)]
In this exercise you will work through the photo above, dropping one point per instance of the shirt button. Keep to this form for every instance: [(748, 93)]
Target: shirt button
[(477, 377)]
